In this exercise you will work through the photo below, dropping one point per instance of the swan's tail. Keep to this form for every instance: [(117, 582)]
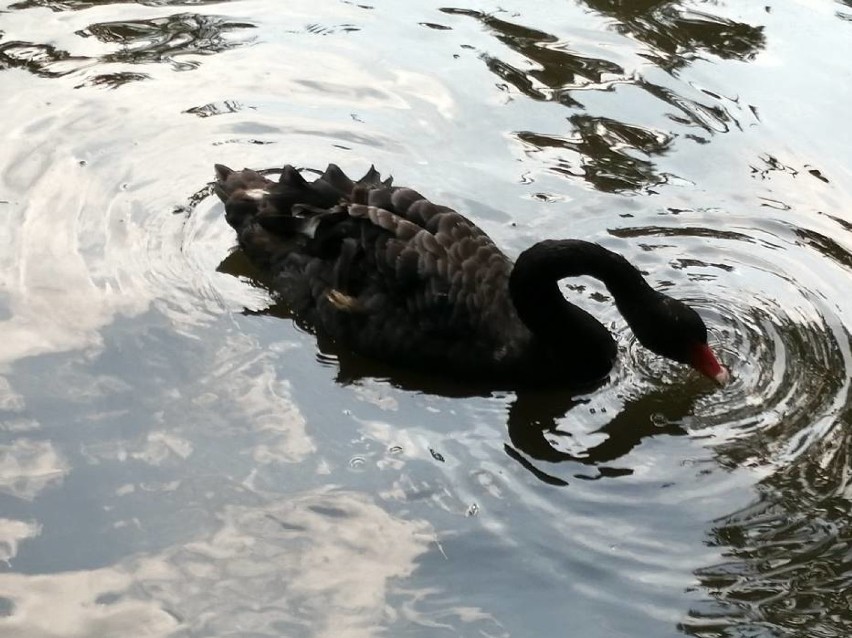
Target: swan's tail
[(243, 193), (292, 205)]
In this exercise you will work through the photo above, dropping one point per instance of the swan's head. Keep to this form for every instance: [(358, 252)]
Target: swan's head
[(672, 329)]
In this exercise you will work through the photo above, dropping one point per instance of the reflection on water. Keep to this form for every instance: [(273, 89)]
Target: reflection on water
[(556, 70), (614, 155), (178, 457), (534, 427), (165, 39), (787, 560), (677, 35), (319, 563), (77, 5), (606, 147), (173, 38), (27, 467)]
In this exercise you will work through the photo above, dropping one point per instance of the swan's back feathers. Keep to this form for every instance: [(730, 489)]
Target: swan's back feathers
[(378, 267)]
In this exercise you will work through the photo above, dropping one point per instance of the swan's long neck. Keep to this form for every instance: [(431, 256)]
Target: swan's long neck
[(551, 318)]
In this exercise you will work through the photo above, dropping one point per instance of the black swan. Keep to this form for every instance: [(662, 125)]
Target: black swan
[(390, 275)]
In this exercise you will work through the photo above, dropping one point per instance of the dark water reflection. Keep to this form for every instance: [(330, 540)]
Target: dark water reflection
[(787, 558), (181, 457), (77, 5), (678, 34), (614, 155), (161, 39), (133, 42)]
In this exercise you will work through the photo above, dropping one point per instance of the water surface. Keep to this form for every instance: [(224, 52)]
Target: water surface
[(179, 458)]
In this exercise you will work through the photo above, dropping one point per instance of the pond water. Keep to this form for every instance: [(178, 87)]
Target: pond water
[(179, 458)]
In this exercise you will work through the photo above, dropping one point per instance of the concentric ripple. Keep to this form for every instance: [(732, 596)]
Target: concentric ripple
[(158, 443), (781, 336)]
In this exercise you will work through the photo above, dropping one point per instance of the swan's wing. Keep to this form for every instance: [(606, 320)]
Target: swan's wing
[(395, 289), (293, 193), (375, 247)]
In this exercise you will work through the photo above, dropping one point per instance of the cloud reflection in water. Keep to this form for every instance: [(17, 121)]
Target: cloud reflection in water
[(322, 563)]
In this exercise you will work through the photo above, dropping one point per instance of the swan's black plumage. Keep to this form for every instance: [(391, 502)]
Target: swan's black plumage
[(391, 275)]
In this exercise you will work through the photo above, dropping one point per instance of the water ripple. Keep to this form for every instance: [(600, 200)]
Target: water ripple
[(165, 39), (787, 559), (556, 69), (676, 35), (77, 5), (176, 39), (617, 155), (158, 432), (791, 363), (604, 152)]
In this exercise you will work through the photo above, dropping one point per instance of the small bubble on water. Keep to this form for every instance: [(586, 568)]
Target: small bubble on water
[(394, 450), (357, 463)]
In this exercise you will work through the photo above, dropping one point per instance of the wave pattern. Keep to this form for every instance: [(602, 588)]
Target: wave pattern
[(165, 39), (156, 397), (78, 5), (785, 415), (177, 39), (549, 69), (787, 556)]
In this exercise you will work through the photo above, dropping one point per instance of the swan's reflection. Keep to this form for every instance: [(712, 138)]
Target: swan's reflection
[(537, 426), (536, 418)]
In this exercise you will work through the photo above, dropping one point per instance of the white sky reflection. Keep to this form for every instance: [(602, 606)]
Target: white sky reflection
[(322, 563)]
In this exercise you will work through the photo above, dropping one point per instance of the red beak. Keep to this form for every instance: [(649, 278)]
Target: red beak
[(707, 364)]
